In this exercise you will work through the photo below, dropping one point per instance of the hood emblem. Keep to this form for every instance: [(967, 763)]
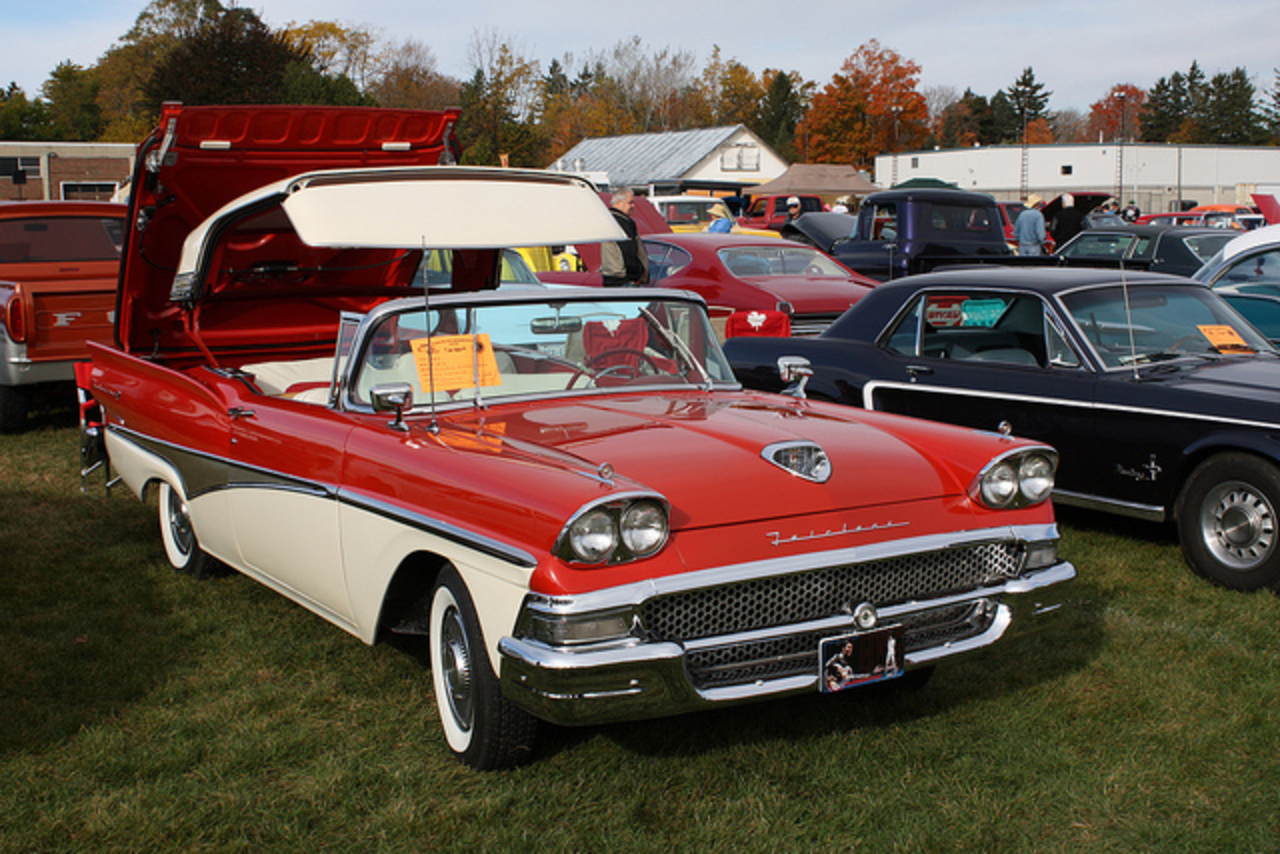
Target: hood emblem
[(803, 459)]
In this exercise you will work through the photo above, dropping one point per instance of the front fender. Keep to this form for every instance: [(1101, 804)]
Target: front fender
[(1265, 445)]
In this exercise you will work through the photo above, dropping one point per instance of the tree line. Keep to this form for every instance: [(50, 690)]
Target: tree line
[(517, 111)]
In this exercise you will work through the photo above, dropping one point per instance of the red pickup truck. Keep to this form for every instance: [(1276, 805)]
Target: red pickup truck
[(59, 262), (771, 211)]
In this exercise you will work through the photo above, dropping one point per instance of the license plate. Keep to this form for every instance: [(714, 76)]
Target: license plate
[(849, 661)]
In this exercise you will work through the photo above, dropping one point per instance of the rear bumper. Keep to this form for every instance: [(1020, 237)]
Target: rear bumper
[(17, 369), (637, 679)]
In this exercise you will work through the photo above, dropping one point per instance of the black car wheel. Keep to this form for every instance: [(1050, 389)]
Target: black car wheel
[(180, 544), (483, 728), (1228, 524)]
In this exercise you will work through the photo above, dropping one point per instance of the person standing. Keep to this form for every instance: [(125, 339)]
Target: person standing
[(793, 208), (625, 262), (720, 221), (1068, 222), (1028, 230)]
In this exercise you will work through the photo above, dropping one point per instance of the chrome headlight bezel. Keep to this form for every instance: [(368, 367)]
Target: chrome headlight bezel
[(1023, 477), (615, 530)]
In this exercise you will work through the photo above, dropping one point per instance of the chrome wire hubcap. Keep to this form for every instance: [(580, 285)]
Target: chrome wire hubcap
[(1239, 525), (455, 654)]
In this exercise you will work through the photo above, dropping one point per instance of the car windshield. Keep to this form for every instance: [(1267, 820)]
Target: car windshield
[(548, 347), (780, 260), (1141, 325)]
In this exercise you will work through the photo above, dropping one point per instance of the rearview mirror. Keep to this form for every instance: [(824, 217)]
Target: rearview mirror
[(555, 325)]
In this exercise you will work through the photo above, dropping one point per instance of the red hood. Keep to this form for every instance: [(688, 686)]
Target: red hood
[(707, 455)]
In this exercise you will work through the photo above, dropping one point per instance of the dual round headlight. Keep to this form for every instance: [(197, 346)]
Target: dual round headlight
[(1017, 480), (616, 531)]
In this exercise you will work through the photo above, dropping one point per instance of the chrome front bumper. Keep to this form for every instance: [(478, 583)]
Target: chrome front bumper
[(632, 680)]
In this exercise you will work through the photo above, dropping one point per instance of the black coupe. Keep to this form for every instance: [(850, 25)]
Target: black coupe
[(1162, 400)]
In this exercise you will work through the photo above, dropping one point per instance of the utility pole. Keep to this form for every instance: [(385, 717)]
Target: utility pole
[(1123, 98)]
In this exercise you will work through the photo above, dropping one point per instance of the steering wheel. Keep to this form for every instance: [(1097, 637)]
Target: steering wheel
[(614, 369), (814, 270)]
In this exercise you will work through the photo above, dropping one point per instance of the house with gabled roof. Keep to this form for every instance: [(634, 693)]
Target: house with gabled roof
[(710, 159)]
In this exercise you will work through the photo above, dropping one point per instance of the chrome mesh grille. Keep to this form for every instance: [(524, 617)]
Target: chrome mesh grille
[(797, 655), (787, 599)]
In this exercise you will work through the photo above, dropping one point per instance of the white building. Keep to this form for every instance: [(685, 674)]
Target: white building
[(724, 158), (1159, 177)]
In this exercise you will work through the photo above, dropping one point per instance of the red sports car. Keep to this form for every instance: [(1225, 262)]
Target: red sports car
[(564, 489)]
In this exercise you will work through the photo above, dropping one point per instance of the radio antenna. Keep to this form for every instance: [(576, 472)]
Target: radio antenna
[(432, 427), (1128, 320)]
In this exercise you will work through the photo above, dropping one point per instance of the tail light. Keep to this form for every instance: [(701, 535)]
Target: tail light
[(14, 320)]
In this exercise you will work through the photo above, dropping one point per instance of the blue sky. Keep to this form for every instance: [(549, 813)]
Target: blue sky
[(1077, 49)]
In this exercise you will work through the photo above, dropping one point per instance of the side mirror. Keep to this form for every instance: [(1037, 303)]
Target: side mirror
[(795, 372), (393, 397)]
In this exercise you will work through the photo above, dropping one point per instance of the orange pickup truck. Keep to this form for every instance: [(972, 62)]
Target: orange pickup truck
[(59, 262)]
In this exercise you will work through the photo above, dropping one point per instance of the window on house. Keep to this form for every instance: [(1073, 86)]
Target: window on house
[(740, 158)]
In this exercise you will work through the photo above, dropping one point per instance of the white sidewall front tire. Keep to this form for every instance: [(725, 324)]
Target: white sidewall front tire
[(444, 612)]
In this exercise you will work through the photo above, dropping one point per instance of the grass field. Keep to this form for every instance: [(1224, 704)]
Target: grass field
[(142, 710)]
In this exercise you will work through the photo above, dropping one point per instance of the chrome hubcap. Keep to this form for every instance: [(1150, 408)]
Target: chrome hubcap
[(1239, 525), (455, 655), (180, 523)]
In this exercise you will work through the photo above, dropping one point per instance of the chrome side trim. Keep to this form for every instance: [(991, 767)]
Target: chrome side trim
[(439, 528), (869, 389), (202, 473), (1146, 512)]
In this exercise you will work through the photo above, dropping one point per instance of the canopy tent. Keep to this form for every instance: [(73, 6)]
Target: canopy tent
[(822, 179)]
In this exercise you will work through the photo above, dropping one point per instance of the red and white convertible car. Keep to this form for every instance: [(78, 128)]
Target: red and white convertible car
[(565, 488)]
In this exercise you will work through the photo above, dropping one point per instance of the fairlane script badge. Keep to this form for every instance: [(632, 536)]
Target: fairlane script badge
[(1147, 472), (778, 540)]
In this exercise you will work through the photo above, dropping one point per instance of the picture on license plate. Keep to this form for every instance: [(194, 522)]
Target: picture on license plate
[(861, 658)]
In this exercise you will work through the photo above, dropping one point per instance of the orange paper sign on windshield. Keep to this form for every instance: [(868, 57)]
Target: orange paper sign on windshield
[(453, 362), (1225, 339)]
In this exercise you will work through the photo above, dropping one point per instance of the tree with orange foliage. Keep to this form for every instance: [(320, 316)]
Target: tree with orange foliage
[(1118, 114), (873, 105), (1039, 132)]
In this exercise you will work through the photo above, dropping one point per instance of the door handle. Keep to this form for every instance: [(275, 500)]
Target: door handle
[(917, 371), (237, 412)]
